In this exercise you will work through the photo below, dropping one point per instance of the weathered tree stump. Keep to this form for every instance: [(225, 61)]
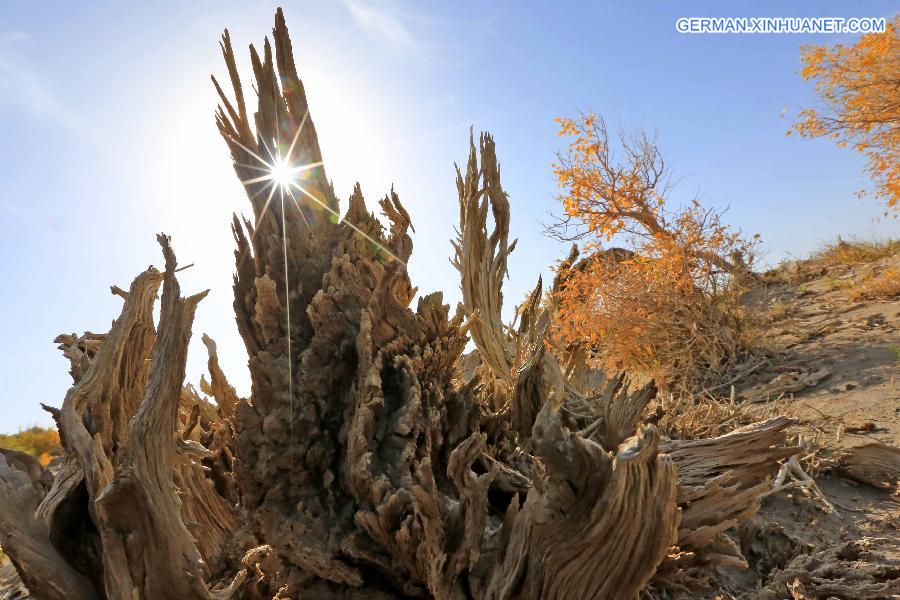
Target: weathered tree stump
[(368, 462)]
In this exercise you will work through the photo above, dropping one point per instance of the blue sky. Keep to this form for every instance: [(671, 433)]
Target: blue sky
[(108, 137)]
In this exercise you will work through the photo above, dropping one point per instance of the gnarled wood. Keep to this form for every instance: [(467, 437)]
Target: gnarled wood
[(481, 259), (364, 465), (26, 539), (593, 527), (118, 511), (721, 482), (866, 568)]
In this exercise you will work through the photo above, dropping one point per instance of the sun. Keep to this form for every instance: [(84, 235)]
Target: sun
[(282, 173)]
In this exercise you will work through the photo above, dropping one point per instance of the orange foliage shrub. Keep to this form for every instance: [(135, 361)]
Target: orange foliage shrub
[(41, 443), (860, 88), (668, 306)]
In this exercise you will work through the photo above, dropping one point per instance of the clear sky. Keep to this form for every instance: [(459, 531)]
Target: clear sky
[(106, 111)]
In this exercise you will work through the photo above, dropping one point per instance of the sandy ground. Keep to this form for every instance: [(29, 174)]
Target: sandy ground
[(816, 325), (844, 356)]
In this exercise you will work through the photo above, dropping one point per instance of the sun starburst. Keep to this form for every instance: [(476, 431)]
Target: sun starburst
[(284, 174)]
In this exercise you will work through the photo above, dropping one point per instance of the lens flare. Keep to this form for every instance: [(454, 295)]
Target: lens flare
[(282, 173)]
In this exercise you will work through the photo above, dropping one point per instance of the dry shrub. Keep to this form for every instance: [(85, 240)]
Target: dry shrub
[(884, 285), (640, 315), (669, 306)]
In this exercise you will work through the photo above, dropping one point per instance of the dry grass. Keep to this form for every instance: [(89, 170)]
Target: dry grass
[(833, 258), (884, 285), (682, 416), (856, 252), (777, 311)]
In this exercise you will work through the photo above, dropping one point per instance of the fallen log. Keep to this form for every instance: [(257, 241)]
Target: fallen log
[(874, 463)]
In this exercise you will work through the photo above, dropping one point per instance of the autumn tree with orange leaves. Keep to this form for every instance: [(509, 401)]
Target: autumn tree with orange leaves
[(860, 88), (41, 443), (667, 304)]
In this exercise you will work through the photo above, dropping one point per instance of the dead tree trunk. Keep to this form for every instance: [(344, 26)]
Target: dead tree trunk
[(363, 466), (26, 538)]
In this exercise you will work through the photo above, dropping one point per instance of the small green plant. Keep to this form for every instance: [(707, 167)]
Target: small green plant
[(895, 350)]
